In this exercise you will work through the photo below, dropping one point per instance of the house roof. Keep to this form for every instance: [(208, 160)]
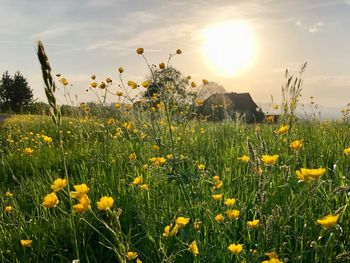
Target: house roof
[(240, 100)]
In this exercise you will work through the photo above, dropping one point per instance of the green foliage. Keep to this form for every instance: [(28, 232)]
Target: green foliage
[(15, 93)]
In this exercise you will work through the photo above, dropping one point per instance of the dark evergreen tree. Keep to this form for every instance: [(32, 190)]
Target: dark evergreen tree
[(15, 93)]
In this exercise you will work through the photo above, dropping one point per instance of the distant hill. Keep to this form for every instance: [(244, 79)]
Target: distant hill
[(322, 112)]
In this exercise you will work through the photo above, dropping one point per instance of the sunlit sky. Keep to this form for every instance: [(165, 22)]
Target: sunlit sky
[(85, 37)]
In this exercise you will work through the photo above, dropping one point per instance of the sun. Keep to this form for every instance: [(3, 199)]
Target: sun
[(229, 47)]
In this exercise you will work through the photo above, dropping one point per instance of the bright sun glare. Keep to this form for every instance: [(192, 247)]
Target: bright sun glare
[(229, 47)]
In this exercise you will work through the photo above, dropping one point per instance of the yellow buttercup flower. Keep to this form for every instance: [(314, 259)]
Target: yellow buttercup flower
[(193, 84), (328, 221), (193, 247), (178, 51), (269, 118), (273, 258), (80, 190), (132, 156), (119, 93), (121, 70), (275, 107), (219, 218), (105, 203), (166, 231), (28, 151), (158, 161), (132, 84), (117, 105), (218, 184), (199, 102), (102, 85), (282, 130), (182, 221), (155, 147), (64, 81), (216, 178), (145, 84), (162, 65), (269, 159), (296, 145), (58, 184), (232, 214), (47, 139), (8, 209), (140, 50), (347, 151), (93, 77), (230, 201), (217, 197), (50, 200), (26, 242), (205, 82), (138, 180), (109, 80), (244, 159), (305, 174), (131, 255), (253, 224), (9, 194), (84, 204), (201, 167), (235, 248), (144, 187)]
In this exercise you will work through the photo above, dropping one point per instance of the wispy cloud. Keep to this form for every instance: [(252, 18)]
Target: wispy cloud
[(311, 28)]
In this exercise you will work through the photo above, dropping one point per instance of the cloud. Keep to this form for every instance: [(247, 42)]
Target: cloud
[(317, 27)]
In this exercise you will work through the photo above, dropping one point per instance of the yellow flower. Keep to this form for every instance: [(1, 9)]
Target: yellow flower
[(132, 84), (282, 130), (58, 75), (194, 248), (182, 221), (47, 139), (144, 187), (26, 242), (109, 80), (199, 102), (102, 85), (117, 105), (64, 81), (166, 231), (170, 156), (201, 167), (275, 107), (219, 218), (328, 221), (178, 51), (9, 194), (28, 151), (253, 224), (121, 70), (80, 190), (205, 82), (269, 159), (232, 214), (110, 122), (188, 77), (244, 158), (235, 248), (8, 209), (230, 201), (216, 178), (217, 197), (131, 255), (138, 260), (193, 84), (218, 184), (119, 93), (105, 203), (155, 147), (132, 156), (93, 77), (269, 118), (162, 65), (50, 200), (196, 224), (310, 174), (296, 145), (140, 51), (145, 84), (138, 180), (347, 151), (157, 161), (58, 184), (84, 204)]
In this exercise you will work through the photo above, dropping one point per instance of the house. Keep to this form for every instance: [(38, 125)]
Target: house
[(231, 106)]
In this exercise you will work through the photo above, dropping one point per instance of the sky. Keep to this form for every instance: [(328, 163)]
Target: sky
[(86, 37)]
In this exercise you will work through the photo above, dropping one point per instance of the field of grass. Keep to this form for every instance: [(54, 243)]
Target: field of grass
[(172, 186)]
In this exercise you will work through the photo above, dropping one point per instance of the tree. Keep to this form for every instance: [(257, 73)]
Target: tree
[(170, 85), (15, 93), (205, 91)]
